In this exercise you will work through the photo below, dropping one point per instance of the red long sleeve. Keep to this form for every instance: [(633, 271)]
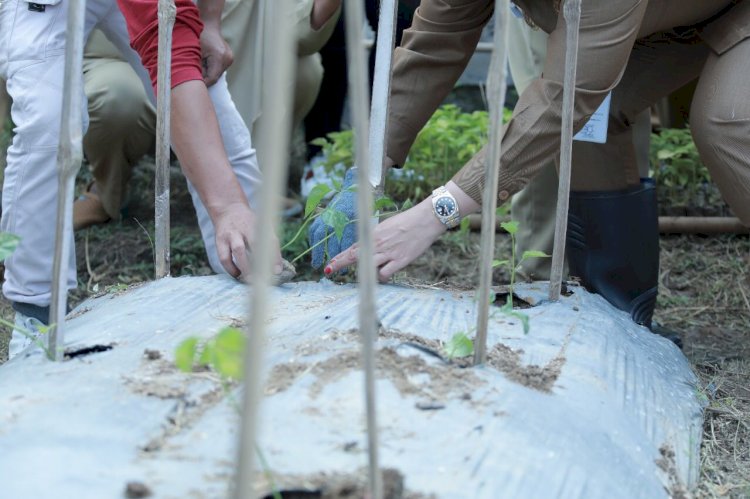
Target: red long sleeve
[(143, 28)]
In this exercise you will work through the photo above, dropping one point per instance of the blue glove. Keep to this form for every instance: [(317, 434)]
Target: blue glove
[(345, 203)]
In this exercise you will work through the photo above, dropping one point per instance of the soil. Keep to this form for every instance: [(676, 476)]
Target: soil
[(704, 295), (393, 363)]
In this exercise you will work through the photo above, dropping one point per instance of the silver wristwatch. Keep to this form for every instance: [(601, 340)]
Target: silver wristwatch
[(445, 207)]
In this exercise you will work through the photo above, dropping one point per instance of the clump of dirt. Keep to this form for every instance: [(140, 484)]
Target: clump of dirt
[(666, 463), (508, 362), (137, 490), (338, 486), (158, 378), (397, 368), (283, 376)]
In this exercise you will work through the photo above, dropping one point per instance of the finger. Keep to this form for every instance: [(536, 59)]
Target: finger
[(390, 268), (212, 70), (240, 254), (343, 260), (224, 252)]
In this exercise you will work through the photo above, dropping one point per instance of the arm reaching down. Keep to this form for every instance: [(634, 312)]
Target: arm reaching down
[(195, 134), (401, 239)]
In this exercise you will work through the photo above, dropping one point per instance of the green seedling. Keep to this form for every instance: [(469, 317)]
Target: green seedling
[(507, 309), (460, 345), (223, 354)]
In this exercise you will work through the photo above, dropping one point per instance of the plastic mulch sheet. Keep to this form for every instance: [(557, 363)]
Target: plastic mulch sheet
[(587, 404)]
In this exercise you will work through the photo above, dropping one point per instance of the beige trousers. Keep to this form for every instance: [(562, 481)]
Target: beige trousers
[(534, 207), (242, 28), (122, 121)]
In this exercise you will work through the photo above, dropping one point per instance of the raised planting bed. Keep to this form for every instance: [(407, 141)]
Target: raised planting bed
[(587, 404)]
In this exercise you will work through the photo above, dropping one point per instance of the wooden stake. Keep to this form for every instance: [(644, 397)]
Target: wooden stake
[(69, 157), (275, 135), (166, 13), (381, 89), (496, 94), (572, 14)]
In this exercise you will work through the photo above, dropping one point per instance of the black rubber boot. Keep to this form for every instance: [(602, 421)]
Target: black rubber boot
[(613, 247)]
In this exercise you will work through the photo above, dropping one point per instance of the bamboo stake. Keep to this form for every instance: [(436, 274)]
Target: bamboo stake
[(381, 90), (496, 95), (366, 265), (278, 72), (69, 157), (166, 13), (572, 14), (4, 117)]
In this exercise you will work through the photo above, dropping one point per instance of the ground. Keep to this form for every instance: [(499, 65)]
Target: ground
[(704, 295)]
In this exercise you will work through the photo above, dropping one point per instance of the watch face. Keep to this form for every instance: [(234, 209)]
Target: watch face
[(445, 206)]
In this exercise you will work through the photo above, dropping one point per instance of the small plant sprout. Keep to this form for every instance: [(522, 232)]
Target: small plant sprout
[(460, 345), (222, 353), (511, 228)]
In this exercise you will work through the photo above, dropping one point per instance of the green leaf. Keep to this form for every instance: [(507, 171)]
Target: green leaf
[(507, 309), (465, 225), (320, 142), (384, 202), (229, 352), (315, 197), (498, 263), (534, 254), (459, 345), (8, 244), (207, 354), (335, 219), (510, 227), (184, 355), (407, 204)]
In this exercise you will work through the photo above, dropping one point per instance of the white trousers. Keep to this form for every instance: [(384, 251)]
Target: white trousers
[(32, 53)]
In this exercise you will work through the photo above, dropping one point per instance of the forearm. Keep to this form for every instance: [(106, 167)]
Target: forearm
[(210, 12), (323, 12), (314, 29), (197, 142)]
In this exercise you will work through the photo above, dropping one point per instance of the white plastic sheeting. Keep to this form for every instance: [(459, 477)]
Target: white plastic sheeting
[(608, 401)]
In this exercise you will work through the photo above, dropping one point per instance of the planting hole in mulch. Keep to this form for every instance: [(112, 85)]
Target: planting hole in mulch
[(83, 352)]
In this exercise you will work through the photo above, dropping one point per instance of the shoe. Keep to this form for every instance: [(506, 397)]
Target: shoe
[(88, 210), (613, 247), (27, 332), (315, 172)]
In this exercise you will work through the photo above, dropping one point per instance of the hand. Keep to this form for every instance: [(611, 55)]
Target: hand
[(344, 202), (235, 227), (216, 55), (398, 241), (322, 12)]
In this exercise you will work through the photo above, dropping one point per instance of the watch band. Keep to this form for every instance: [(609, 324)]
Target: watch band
[(453, 219)]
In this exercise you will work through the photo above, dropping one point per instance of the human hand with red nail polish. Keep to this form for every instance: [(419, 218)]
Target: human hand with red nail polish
[(398, 241)]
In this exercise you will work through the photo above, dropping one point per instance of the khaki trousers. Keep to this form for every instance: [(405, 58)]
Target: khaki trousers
[(535, 206), (241, 25), (122, 121)]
